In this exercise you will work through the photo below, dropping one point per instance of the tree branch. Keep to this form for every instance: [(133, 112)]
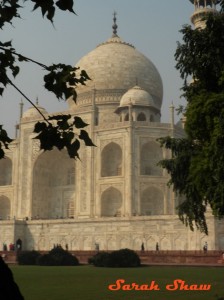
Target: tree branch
[(10, 82), (24, 57)]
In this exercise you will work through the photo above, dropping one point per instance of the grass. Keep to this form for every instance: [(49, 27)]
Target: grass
[(91, 283)]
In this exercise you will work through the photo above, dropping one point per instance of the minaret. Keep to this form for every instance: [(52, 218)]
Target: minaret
[(172, 107), (21, 109), (17, 126), (201, 9)]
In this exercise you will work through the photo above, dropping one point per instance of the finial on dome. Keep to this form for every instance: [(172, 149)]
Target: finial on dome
[(114, 25), (37, 101)]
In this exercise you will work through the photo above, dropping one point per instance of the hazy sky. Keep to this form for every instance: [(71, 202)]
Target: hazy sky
[(152, 26)]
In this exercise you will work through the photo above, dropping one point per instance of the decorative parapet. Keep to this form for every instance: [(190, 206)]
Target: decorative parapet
[(100, 97), (136, 124)]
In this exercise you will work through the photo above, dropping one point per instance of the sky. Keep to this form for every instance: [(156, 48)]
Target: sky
[(152, 26)]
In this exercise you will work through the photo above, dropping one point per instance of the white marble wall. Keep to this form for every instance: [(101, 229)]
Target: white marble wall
[(110, 233)]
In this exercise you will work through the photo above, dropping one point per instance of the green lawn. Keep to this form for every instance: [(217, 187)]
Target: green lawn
[(91, 283)]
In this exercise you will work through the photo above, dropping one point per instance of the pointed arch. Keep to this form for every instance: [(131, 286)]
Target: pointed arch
[(53, 177), (111, 202), (152, 201), (126, 118), (151, 243), (5, 171), (141, 117), (70, 209), (179, 244), (125, 242), (151, 154), (5, 208), (165, 244), (111, 243), (137, 243), (111, 160)]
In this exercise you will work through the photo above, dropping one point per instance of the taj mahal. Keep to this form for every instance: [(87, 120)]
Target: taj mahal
[(115, 196)]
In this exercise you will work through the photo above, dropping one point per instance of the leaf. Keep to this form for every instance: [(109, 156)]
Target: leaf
[(68, 137), (58, 141), (61, 80), (85, 75), (6, 44), (39, 126), (5, 140), (15, 71), (48, 137), (65, 5), (8, 11), (60, 117), (22, 58), (85, 137), (50, 14), (63, 125), (73, 149), (45, 144), (43, 4), (78, 122), (4, 137)]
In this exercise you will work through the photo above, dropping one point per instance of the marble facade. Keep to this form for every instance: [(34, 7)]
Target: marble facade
[(116, 195)]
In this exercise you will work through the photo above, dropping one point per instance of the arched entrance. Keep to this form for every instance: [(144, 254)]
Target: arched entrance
[(53, 186), (111, 202)]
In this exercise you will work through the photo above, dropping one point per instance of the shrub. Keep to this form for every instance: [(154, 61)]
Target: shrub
[(100, 259), (124, 258), (28, 257), (58, 257), (46, 260)]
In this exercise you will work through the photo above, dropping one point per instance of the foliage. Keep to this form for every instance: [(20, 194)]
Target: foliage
[(221, 2), (45, 260), (4, 141), (9, 9), (62, 135), (27, 257), (123, 258), (200, 57), (100, 259), (196, 165), (60, 79), (57, 257)]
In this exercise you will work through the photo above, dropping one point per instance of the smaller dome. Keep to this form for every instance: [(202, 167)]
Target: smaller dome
[(137, 96), (32, 113)]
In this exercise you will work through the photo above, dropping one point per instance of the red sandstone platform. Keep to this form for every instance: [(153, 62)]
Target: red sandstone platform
[(160, 258)]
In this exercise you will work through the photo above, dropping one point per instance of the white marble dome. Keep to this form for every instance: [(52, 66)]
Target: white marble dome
[(115, 66), (32, 113), (137, 96)]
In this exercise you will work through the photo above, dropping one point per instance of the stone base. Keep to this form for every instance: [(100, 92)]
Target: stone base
[(110, 233), (187, 258)]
